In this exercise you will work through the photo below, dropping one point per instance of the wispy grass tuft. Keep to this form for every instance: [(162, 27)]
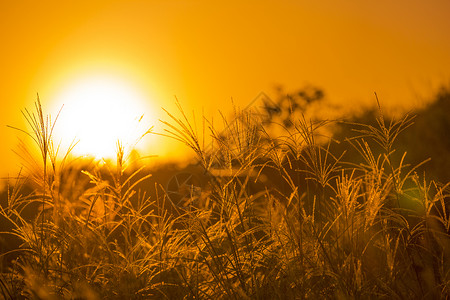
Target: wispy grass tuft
[(273, 217)]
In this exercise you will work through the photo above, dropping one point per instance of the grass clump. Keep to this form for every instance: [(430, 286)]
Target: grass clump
[(273, 217)]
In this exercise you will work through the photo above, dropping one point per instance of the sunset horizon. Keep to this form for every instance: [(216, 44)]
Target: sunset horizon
[(239, 150)]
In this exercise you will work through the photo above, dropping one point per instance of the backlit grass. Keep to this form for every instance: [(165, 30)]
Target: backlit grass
[(270, 217)]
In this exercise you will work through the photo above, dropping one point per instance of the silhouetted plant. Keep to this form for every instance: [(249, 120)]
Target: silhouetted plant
[(275, 217)]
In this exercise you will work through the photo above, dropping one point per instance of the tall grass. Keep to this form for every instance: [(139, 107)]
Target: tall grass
[(292, 218)]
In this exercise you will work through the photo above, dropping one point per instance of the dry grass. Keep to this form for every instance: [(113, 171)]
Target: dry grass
[(292, 219)]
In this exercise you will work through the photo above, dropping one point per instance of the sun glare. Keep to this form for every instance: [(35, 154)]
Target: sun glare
[(99, 111)]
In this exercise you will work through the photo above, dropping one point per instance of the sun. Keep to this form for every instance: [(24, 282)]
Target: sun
[(97, 112)]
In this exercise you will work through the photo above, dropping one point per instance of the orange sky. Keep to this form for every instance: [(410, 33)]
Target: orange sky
[(206, 52)]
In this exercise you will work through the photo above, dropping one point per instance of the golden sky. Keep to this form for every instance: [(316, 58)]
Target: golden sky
[(207, 52)]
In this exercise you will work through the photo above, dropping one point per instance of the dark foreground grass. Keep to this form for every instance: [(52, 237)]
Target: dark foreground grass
[(282, 217)]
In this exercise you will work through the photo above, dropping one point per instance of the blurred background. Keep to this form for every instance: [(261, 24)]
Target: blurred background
[(145, 54)]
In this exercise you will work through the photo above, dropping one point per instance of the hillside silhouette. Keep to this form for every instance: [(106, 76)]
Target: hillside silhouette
[(428, 136)]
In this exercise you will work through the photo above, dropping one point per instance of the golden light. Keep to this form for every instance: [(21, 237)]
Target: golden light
[(97, 112)]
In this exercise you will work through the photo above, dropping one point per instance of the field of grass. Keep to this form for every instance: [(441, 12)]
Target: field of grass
[(288, 216)]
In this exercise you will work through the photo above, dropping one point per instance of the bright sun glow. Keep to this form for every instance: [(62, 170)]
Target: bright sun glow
[(98, 111)]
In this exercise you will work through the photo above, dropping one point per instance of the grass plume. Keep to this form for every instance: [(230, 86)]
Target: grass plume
[(282, 217)]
